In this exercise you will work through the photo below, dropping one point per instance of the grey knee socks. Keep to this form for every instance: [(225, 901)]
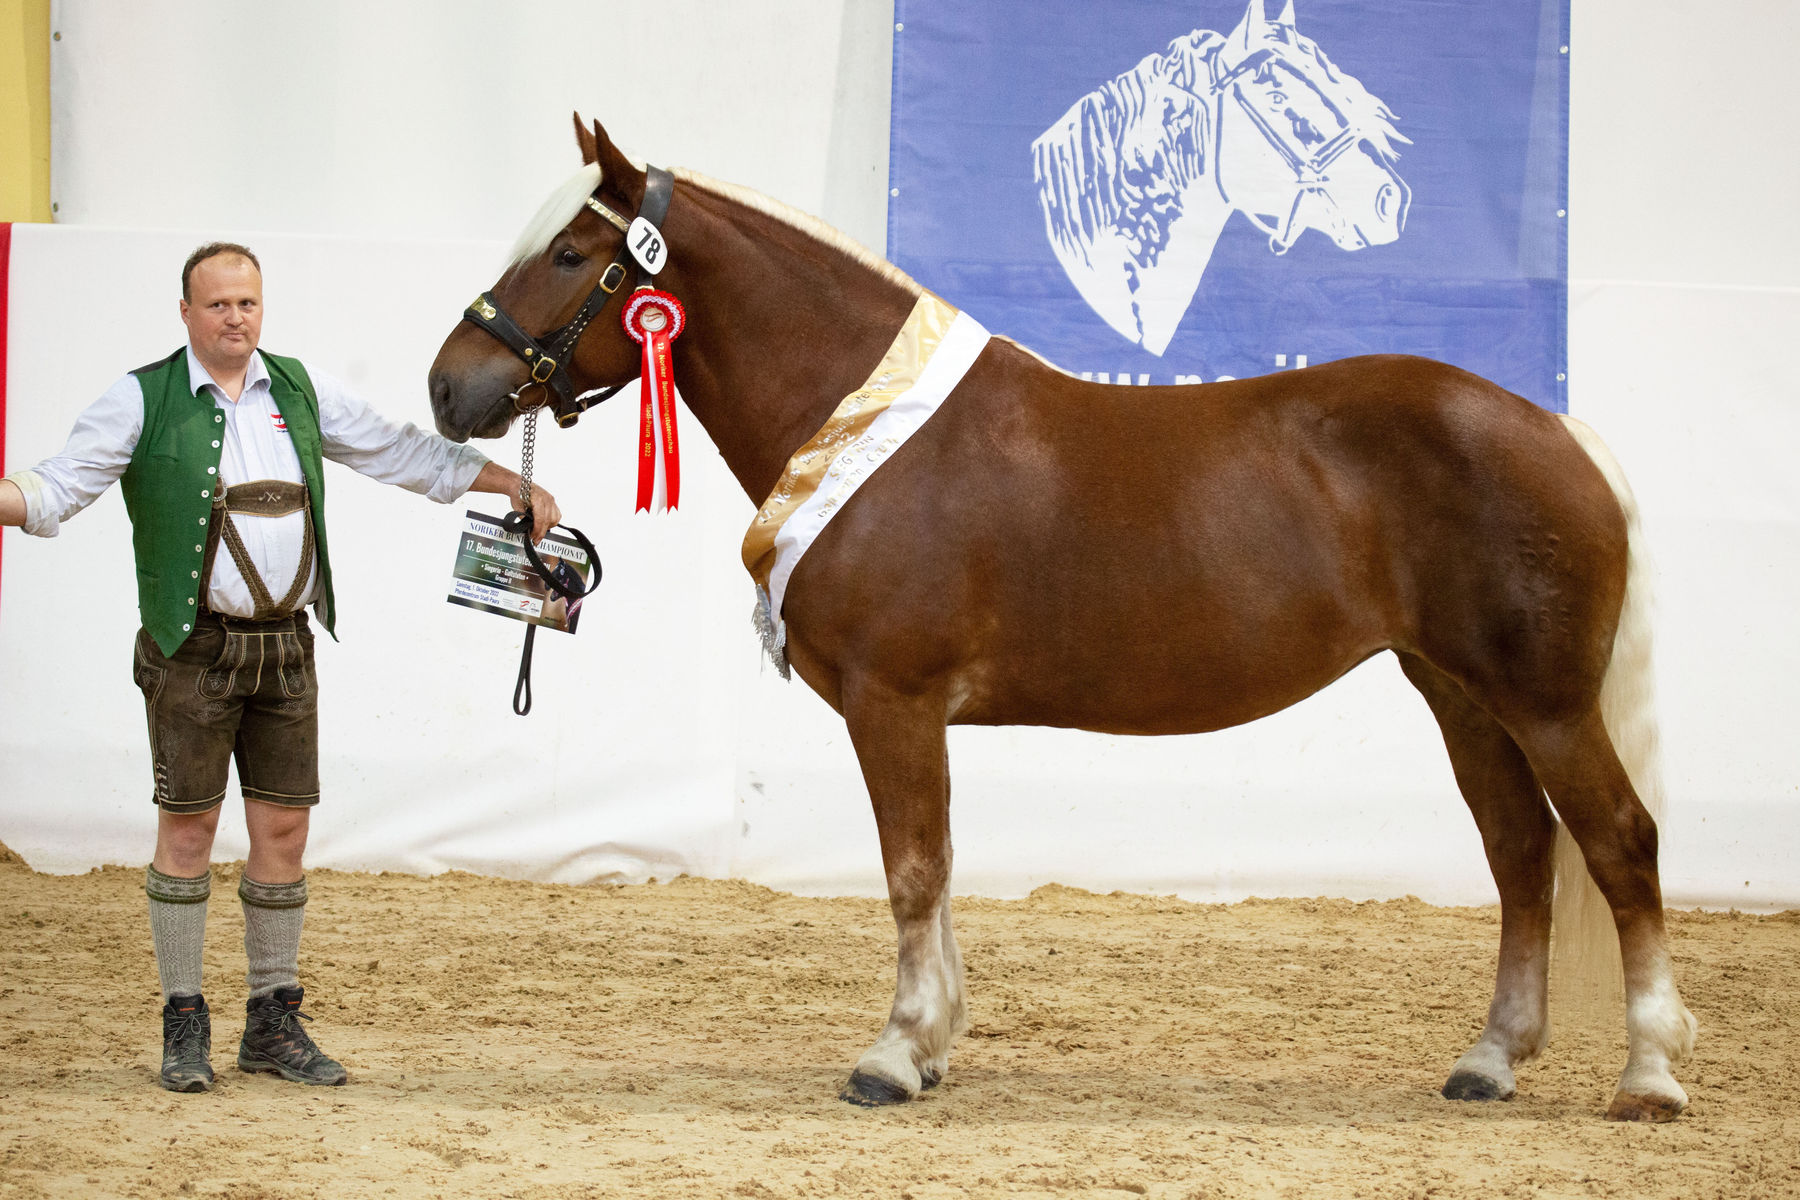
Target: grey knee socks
[(178, 928), (273, 915)]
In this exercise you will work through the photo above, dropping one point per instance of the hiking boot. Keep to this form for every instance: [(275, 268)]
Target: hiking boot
[(187, 1044), (275, 1043)]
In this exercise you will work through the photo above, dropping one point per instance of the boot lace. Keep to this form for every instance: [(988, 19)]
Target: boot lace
[(283, 1026), (185, 1029)]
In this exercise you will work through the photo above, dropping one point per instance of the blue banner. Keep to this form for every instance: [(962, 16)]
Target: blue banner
[(1153, 191)]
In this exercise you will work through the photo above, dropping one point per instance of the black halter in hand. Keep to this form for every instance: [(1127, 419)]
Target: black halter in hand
[(548, 358), (520, 523)]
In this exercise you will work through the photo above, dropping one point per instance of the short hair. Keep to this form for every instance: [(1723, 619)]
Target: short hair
[(212, 250)]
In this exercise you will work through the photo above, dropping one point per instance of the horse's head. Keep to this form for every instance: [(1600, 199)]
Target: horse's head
[(1300, 144), (479, 381)]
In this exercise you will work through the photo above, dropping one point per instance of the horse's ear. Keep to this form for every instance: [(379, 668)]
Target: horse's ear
[(1249, 34), (585, 140), (615, 168)]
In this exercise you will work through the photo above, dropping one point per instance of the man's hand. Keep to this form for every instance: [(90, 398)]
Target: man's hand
[(544, 511), (502, 482)]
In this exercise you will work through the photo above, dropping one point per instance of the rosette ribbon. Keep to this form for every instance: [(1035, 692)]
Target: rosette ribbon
[(654, 319)]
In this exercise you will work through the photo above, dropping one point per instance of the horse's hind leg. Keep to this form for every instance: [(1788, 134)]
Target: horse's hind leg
[(900, 742), (1579, 768), (1518, 832)]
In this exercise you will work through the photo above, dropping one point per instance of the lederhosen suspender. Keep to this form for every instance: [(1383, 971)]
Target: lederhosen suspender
[(259, 498)]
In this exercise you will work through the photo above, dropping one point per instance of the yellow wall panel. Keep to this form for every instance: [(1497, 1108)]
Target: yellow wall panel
[(24, 110)]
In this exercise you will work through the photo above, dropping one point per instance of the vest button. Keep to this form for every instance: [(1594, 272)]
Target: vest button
[(203, 520), (185, 628), (215, 445), (212, 470), (204, 493), (195, 574), (199, 549), (190, 599)]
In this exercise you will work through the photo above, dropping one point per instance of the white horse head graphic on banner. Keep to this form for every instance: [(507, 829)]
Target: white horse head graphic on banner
[(1137, 179)]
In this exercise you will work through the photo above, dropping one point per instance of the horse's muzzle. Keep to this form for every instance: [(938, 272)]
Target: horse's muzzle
[(463, 409)]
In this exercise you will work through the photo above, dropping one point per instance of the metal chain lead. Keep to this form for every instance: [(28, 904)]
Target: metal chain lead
[(525, 456), (526, 452)]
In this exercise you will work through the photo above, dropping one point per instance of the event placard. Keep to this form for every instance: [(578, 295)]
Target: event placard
[(493, 574)]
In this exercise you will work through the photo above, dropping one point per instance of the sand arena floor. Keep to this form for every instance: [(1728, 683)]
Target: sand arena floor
[(521, 1040)]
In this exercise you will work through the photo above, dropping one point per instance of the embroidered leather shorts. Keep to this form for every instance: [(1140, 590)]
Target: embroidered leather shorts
[(235, 689)]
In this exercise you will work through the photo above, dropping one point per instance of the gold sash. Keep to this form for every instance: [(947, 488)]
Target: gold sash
[(934, 349), (918, 340)]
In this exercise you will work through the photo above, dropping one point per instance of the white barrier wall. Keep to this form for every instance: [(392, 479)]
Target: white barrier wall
[(659, 742)]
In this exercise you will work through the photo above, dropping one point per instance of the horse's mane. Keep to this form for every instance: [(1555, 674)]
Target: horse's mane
[(565, 202), (804, 222), (831, 236)]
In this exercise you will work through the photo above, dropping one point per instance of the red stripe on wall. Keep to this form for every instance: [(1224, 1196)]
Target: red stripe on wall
[(5, 287)]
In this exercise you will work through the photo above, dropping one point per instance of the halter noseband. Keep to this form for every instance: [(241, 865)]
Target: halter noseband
[(548, 358)]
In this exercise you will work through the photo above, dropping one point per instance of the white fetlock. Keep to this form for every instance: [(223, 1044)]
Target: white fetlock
[(1489, 1061), (891, 1060), (1662, 1034), (1484, 1073)]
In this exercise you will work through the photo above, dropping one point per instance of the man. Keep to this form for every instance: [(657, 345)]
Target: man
[(221, 444)]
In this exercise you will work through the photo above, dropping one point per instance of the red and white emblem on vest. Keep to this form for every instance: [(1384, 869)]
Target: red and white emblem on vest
[(280, 422)]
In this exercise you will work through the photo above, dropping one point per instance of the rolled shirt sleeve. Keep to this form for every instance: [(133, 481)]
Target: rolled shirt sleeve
[(98, 451), (401, 454)]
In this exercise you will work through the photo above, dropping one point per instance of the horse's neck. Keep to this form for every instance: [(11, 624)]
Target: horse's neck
[(781, 327)]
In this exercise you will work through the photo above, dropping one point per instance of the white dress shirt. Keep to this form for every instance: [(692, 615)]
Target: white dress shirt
[(256, 446)]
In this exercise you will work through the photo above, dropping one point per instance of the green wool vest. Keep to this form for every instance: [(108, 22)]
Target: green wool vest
[(168, 487)]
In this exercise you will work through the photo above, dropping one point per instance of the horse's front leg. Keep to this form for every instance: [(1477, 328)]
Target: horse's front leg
[(900, 743)]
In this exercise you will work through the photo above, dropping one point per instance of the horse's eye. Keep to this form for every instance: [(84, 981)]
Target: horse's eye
[(570, 258)]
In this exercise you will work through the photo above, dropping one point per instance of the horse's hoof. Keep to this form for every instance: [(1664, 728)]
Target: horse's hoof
[(1628, 1107), (1468, 1085), (872, 1091)]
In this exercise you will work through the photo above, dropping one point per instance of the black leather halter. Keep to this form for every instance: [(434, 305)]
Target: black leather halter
[(548, 355)]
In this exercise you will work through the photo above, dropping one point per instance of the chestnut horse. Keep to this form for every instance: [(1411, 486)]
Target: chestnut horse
[(1148, 560)]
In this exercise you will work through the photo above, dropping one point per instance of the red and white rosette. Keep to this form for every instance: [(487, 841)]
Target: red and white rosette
[(654, 319)]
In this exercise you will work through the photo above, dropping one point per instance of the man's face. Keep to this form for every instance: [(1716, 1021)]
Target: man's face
[(224, 311)]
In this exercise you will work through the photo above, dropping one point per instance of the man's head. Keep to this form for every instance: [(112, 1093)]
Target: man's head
[(221, 305)]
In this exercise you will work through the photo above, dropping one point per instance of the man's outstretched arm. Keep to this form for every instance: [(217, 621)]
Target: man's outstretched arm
[(409, 457)]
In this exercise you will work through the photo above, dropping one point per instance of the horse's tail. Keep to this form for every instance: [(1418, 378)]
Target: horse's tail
[(1585, 941)]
